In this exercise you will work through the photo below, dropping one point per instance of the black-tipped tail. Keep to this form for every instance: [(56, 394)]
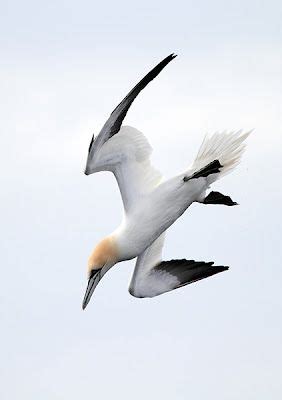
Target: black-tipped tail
[(212, 168), (218, 198)]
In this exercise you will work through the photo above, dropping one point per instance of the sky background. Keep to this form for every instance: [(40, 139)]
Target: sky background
[(64, 66)]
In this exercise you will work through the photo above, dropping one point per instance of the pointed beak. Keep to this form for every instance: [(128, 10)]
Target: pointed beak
[(92, 283)]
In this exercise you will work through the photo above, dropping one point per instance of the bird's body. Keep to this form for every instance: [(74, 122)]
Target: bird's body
[(154, 214), (151, 204)]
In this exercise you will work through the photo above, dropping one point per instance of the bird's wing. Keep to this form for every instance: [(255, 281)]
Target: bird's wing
[(152, 276), (125, 151), (127, 155)]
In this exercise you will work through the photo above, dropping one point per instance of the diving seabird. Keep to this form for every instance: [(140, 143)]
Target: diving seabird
[(152, 205)]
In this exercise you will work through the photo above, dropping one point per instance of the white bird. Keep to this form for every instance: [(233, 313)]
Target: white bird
[(152, 205)]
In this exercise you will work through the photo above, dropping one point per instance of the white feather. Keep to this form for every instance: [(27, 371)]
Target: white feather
[(223, 146), (127, 155)]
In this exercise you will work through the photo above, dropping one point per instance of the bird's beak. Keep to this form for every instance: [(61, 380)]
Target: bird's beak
[(92, 283)]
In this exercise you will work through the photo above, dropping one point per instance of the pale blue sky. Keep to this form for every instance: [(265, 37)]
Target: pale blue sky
[(64, 67)]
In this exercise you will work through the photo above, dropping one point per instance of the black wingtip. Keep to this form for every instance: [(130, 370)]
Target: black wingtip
[(113, 124), (167, 60), (222, 268), (91, 143), (189, 271)]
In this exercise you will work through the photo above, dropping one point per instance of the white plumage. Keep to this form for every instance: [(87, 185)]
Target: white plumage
[(127, 155), (227, 147), (151, 205)]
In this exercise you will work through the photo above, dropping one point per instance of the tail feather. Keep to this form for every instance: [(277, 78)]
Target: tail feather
[(225, 147), (211, 168)]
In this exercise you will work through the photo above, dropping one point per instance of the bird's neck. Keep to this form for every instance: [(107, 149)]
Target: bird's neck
[(105, 253)]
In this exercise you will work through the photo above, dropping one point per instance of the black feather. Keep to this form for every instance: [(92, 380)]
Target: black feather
[(212, 168), (189, 271), (90, 145)]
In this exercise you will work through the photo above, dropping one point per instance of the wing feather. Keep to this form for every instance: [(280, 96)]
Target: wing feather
[(114, 122), (126, 154), (153, 277)]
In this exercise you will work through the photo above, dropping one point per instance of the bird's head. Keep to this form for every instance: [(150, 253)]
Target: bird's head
[(103, 257)]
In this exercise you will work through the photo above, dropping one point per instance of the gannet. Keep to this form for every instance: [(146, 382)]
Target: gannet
[(152, 204)]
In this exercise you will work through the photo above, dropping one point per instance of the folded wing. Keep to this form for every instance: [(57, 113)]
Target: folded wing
[(152, 276), (125, 151), (127, 155)]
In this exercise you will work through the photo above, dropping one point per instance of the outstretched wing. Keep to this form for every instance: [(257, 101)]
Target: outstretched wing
[(152, 276), (125, 151)]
